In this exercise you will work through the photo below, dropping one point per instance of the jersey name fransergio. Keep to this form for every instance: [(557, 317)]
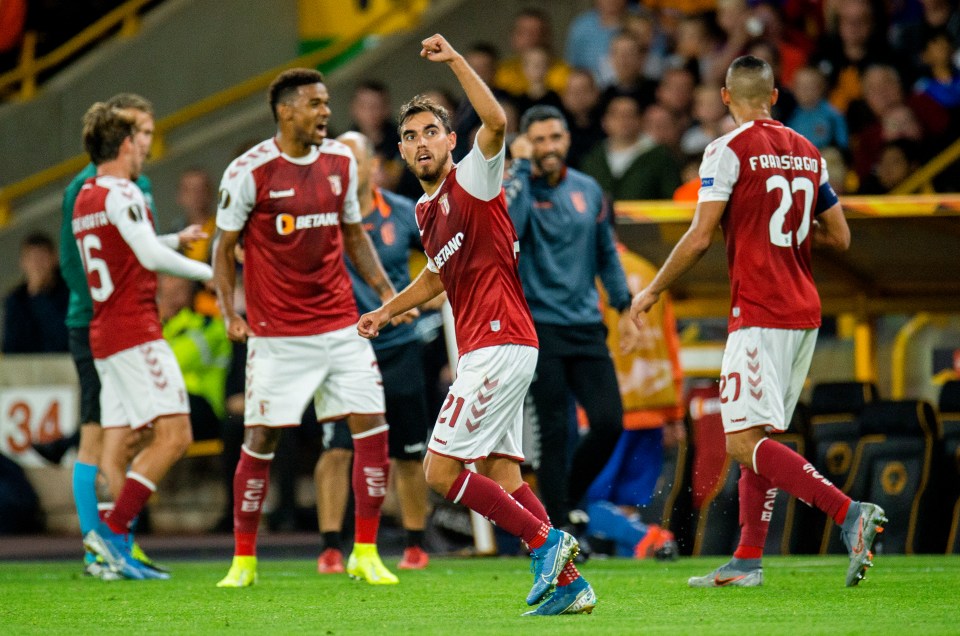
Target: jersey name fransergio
[(471, 243), (124, 292), (770, 177), (289, 211)]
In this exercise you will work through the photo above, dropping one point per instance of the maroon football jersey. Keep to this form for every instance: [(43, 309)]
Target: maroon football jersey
[(124, 292), (770, 177), (289, 210), (471, 242)]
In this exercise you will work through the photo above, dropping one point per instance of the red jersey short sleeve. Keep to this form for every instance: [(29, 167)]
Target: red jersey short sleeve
[(473, 246), (289, 211), (770, 176), (124, 292)]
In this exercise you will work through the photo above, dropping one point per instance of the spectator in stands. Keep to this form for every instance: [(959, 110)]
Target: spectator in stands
[(531, 28), (626, 63), (661, 125), (535, 63), (675, 93), (591, 34), (938, 15), (649, 32), (883, 114), (629, 164), (695, 49), (195, 198), (814, 117), (898, 160), (371, 114), (580, 99), (202, 350), (940, 80), (34, 312), (711, 119), (561, 222), (854, 42)]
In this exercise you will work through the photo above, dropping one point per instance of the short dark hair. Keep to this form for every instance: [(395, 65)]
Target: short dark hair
[(750, 78), (749, 63), (288, 82), (485, 48), (104, 129), (37, 239), (541, 112), (374, 86), (423, 104)]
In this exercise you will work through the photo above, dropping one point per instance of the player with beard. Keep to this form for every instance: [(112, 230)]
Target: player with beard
[(293, 200), (471, 250), (566, 243)]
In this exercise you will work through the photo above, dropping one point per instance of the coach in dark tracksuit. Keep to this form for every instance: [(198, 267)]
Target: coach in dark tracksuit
[(566, 241)]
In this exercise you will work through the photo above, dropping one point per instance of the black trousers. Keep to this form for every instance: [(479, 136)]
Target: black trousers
[(573, 360)]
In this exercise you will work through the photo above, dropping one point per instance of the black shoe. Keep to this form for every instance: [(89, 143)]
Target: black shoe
[(54, 451)]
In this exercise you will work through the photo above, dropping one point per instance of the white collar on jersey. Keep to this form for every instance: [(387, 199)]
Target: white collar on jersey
[(425, 197), (305, 160)]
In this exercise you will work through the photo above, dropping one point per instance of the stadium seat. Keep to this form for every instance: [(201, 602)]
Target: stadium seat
[(949, 467), (834, 431), (891, 467)]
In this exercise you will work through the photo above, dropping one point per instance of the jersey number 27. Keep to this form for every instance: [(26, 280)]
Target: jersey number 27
[(780, 236)]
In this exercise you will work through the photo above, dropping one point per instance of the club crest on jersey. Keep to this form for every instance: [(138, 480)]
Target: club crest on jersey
[(224, 198), (444, 204), (579, 201), (336, 186), (388, 233)]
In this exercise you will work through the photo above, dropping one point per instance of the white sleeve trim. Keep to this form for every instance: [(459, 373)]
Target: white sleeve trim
[(431, 265), (351, 203), (719, 171), (237, 198), (479, 176)]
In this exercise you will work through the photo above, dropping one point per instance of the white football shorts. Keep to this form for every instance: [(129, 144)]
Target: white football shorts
[(140, 384), (761, 376), (483, 412), (337, 369)]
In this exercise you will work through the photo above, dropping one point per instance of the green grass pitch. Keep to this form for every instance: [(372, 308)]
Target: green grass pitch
[(800, 595)]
